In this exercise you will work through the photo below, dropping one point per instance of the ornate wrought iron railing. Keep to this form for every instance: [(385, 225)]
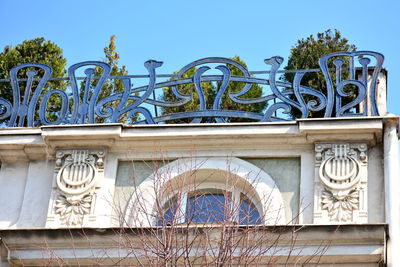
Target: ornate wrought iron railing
[(190, 95)]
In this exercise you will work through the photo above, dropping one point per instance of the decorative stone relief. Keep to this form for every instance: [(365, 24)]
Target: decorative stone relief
[(76, 177), (341, 176)]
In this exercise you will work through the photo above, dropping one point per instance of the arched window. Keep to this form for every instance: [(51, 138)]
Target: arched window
[(210, 205), (206, 190)]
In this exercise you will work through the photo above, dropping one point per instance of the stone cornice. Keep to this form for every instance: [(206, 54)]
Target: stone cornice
[(23, 144)]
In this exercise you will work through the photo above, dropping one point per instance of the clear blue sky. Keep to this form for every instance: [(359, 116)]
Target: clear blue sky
[(178, 32)]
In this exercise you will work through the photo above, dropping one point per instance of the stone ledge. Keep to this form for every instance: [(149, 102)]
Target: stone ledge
[(18, 144), (83, 246)]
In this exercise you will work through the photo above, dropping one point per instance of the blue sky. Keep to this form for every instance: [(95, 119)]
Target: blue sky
[(178, 32)]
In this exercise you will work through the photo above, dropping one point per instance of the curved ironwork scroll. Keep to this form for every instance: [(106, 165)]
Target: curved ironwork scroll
[(335, 95), (90, 99)]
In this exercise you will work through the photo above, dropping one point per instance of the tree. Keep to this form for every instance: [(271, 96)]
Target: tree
[(305, 55), (254, 92), (203, 231), (189, 214), (181, 220), (37, 50), (187, 89), (112, 58), (112, 86), (210, 92)]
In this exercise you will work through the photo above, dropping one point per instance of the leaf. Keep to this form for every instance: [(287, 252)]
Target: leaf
[(336, 205)]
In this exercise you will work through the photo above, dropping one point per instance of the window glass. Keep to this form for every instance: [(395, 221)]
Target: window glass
[(207, 206), (248, 213), (170, 212), (210, 206)]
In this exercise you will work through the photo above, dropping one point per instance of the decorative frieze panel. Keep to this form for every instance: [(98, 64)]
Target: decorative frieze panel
[(341, 176), (76, 177)]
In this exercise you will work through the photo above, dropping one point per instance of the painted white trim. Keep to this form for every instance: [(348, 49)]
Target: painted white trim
[(392, 187)]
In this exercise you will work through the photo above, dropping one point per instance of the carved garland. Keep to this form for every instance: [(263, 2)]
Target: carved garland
[(77, 173), (341, 183)]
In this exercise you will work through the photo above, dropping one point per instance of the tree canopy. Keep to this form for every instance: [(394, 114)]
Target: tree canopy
[(305, 55), (37, 50), (112, 86)]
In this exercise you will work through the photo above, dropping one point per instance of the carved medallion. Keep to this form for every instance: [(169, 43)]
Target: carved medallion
[(76, 175), (341, 183)]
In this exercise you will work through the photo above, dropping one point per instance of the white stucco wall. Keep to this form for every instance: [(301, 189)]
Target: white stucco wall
[(27, 171)]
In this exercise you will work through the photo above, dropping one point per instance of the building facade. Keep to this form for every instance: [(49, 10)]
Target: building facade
[(100, 184)]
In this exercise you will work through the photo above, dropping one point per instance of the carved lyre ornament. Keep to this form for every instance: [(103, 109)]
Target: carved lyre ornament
[(340, 183), (77, 173)]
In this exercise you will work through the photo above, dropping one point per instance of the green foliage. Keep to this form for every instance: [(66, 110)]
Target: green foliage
[(254, 92), (37, 50), (111, 86), (210, 91), (112, 58), (305, 55), (187, 89)]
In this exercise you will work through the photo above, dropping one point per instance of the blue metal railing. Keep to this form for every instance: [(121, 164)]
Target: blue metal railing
[(92, 99)]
